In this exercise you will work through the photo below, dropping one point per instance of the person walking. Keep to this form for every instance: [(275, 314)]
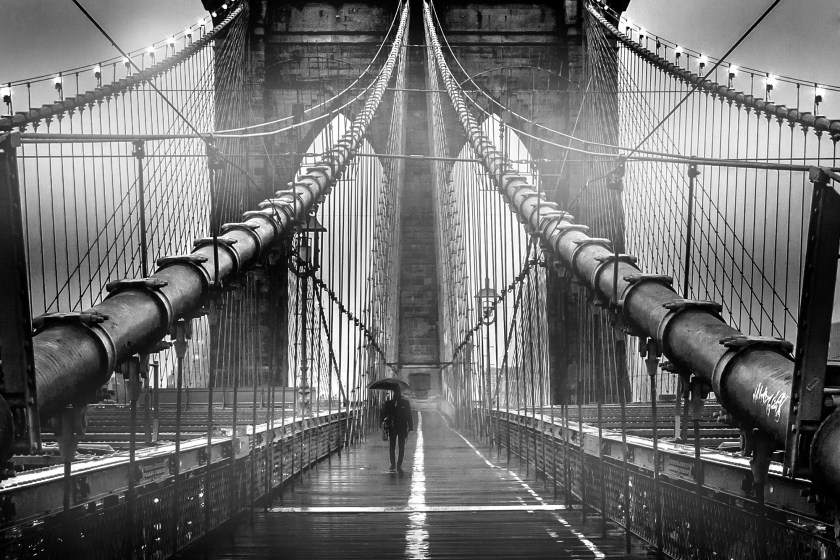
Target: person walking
[(397, 418)]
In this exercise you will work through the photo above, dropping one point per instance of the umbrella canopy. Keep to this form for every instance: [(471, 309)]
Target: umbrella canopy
[(390, 384)]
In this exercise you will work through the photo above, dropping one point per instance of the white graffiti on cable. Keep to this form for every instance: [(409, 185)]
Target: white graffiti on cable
[(773, 402)]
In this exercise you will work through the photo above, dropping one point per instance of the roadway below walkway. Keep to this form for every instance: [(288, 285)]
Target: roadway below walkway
[(453, 500)]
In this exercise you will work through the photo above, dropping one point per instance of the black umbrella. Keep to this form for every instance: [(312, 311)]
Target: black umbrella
[(390, 384)]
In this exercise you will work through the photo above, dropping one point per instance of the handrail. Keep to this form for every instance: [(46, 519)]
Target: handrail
[(22, 119), (792, 116)]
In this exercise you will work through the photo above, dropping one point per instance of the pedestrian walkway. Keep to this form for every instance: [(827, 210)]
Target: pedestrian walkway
[(453, 500)]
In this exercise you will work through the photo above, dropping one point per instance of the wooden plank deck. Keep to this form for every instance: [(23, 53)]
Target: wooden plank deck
[(454, 500)]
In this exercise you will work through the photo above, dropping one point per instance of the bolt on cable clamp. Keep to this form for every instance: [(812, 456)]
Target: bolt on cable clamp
[(741, 342), (150, 283), (85, 318)]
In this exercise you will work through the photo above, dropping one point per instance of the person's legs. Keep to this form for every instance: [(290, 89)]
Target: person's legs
[(402, 451), (392, 441)]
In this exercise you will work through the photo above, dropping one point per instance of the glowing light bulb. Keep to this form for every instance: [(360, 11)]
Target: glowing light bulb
[(188, 32), (224, 6), (200, 22), (769, 84), (170, 41), (703, 60), (642, 32), (97, 70), (213, 14), (6, 93), (57, 81), (819, 95), (733, 70), (126, 61), (678, 51)]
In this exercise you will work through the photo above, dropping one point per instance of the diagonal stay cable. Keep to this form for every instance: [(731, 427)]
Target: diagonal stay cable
[(202, 137), (137, 69), (711, 70)]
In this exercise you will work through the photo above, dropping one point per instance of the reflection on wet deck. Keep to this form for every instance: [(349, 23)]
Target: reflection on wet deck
[(454, 500)]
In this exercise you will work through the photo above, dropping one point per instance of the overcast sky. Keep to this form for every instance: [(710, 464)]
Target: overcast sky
[(799, 39), (44, 36)]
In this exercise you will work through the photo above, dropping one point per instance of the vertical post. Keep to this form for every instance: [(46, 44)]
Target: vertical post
[(140, 153), (67, 424), (487, 392), (147, 400), (651, 355), (181, 335), (699, 391), (692, 174), (17, 382), (256, 351), (132, 372), (207, 502), (155, 401), (815, 308), (304, 355)]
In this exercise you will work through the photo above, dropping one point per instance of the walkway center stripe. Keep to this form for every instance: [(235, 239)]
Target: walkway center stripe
[(420, 509), (417, 537)]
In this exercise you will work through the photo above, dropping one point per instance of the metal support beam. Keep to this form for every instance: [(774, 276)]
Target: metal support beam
[(815, 309), (17, 371)]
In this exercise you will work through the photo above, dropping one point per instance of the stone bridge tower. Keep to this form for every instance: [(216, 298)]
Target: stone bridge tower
[(527, 55)]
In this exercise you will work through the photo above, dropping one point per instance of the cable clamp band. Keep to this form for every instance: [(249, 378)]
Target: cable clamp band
[(91, 321), (583, 243), (251, 214), (553, 217), (192, 261), (86, 318), (227, 245), (605, 262), (246, 228), (641, 279), (679, 306), (549, 205), (149, 286), (277, 205), (738, 344)]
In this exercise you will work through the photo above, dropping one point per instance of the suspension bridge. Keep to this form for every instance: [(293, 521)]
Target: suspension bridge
[(605, 264)]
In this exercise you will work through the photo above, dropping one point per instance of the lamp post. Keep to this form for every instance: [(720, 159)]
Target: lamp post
[(486, 305)]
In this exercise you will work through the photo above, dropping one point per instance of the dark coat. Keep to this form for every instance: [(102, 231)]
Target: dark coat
[(399, 411)]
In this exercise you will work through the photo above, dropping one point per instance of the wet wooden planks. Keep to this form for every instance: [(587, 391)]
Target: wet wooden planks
[(454, 500)]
